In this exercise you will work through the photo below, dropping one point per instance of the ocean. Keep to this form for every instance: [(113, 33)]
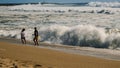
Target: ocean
[(94, 24)]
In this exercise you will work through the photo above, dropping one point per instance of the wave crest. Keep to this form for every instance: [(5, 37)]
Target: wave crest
[(105, 4), (81, 35)]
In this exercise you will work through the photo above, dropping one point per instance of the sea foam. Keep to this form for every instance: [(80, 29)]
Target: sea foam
[(104, 4), (87, 29), (93, 7), (80, 35)]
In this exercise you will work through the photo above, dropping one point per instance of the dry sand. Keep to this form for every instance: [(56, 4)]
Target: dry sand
[(22, 56)]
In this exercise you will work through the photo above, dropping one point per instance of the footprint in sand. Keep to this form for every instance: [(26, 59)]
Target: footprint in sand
[(50, 67), (0, 65), (14, 65), (37, 66)]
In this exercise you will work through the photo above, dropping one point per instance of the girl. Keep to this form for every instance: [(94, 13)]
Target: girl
[(23, 40)]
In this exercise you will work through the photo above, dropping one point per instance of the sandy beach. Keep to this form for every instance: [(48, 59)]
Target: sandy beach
[(24, 56), (79, 35)]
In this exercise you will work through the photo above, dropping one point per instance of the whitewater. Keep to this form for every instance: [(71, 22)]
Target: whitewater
[(95, 24)]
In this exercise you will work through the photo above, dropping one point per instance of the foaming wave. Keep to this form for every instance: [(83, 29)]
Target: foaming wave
[(53, 33), (9, 34), (16, 34), (67, 9), (105, 4), (81, 35)]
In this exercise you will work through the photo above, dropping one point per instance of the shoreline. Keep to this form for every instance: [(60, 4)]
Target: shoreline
[(108, 54), (27, 56)]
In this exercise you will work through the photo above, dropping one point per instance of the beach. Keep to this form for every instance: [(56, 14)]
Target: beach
[(29, 56), (70, 35)]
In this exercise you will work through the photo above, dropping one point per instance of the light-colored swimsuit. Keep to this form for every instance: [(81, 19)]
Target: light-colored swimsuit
[(22, 35)]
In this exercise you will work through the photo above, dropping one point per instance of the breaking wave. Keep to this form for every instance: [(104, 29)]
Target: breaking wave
[(113, 8), (105, 4), (81, 35)]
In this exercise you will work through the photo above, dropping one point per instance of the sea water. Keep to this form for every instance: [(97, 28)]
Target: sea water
[(94, 24)]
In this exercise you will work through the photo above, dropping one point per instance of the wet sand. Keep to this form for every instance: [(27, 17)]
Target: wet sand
[(23, 56)]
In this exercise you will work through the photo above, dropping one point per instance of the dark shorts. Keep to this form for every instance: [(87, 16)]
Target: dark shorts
[(22, 37)]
